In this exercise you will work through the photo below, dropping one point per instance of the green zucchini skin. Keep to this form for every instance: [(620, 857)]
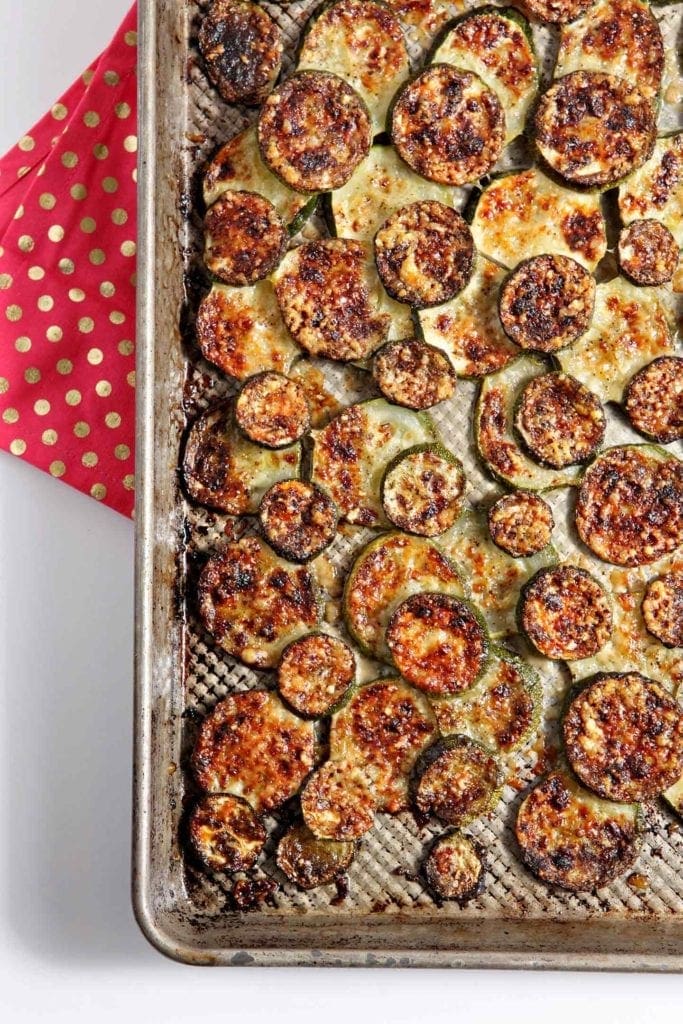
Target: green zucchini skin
[(441, 494), (454, 868), (309, 862), (456, 779)]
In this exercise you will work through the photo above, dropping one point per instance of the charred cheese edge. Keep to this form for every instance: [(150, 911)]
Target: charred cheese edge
[(225, 834), (656, 189)]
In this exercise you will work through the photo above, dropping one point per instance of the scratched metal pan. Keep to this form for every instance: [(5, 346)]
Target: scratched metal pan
[(386, 918)]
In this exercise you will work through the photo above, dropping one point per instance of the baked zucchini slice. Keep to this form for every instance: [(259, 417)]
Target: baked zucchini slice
[(253, 603), (383, 729), (271, 410), (654, 400), (315, 673), (251, 746), (524, 214), (242, 50), (244, 238), (593, 129), (559, 420), (647, 253), (313, 131), (662, 609), (454, 868), (656, 189), (521, 524), (623, 737), (362, 42), (298, 519), (387, 571), (423, 490), (565, 613), (352, 452), (411, 373), (240, 331), (309, 862), (337, 802), (225, 834), (494, 430), (621, 37), (557, 12), (630, 328), (438, 643), (629, 509), (457, 780), (571, 839), (448, 126), (468, 328), (222, 470), (547, 302), (497, 45)]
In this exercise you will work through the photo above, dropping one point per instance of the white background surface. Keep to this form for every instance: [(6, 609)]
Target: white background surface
[(69, 947)]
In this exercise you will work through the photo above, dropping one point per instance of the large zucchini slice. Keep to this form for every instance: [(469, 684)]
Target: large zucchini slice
[(409, 372), (647, 253), (565, 613), (254, 603), (298, 519), (521, 523), (387, 571), (362, 42), (457, 780), (559, 420), (225, 471), (494, 430), (251, 746), (383, 729), (337, 802), (225, 834), (242, 50), (352, 452), (662, 609), (656, 189), (315, 673), (244, 238), (454, 868), (423, 490), (572, 839), (547, 303), (630, 328), (308, 861), (654, 400), (524, 214), (497, 45)]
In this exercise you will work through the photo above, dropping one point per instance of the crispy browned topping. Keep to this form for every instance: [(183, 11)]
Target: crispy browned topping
[(337, 802), (225, 834), (624, 737), (298, 519), (500, 44), (413, 374), (245, 238), (648, 253), (309, 862), (566, 613), (315, 672), (242, 49), (655, 187), (457, 781), (560, 421), (654, 399), (662, 608), (557, 12), (454, 868), (272, 410), (547, 303), (521, 523), (423, 492), (340, 448)]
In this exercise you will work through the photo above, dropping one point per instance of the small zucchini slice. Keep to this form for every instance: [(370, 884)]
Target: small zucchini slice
[(298, 519), (647, 253), (438, 643), (454, 868), (271, 410), (524, 214), (630, 328), (423, 490), (411, 373), (244, 238), (383, 729), (387, 571), (363, 43), (313, 131), (630, 505), (662, 609), (496, 44), (521, 524), (448, 126), (240, 331), (352, 452), (223, 470), (559, 420), (656, 189), (623, 737), (251, 746), (557, 12), (315, 673), (309, 862), (654, 400), (457, 780), (547, 302), (593, 129), (494, 430), (225, 834), (253, 603), (424, 254), (565, 613), (242, 50), (571, 839), (337, 802)]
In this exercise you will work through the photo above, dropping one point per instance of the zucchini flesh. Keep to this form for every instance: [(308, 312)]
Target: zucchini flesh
[(315, 673), (225, 834), (656, 189), (454, 868), (337, 802), (564, 612), (422, 19), (308, 861), (673, 796), (457, 780), (423, 490), (557, 12)]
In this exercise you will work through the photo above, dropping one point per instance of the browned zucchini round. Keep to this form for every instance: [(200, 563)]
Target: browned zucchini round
[(647, 252), (557, 12), (662, 608), (593, 129), (454, 868), (438, 643), (242, 50), (225, 834), (298, 519), (521, 523), (337, 802), (245, 238), (448, 126), (654, 399), (313, 131), (315, 674), (457, 780), (623, 736), (309, 862), (547, 303), (559, 420), (409, 372), (423, 490), (272, 410), (565, 613), (424, 254)]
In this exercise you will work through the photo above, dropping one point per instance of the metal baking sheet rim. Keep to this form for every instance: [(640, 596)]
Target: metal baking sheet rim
[(646, 944)]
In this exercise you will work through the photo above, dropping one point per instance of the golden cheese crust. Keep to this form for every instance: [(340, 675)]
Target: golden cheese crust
[(438, 643), (565, 613), (315, 673), (313, 131), (337, 802), (457, 780), (298, 519), (272, 410), (560, 421), (593, 129), (424, 254), (623, 736), (647, 252), (448, 126), (557, 12), (547, 303), (521, 523), (309, 862), (454, 868), (423, 491), (656, 190), (251, 746), (654, 400), (630, 506), (662, 608), (225, 834), (242, 50), (412, 373), (244, 238)]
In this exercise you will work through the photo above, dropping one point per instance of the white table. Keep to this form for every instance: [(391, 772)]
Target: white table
[(69, 947)]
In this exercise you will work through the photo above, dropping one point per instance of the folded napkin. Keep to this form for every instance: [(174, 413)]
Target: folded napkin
[(67, 282)]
